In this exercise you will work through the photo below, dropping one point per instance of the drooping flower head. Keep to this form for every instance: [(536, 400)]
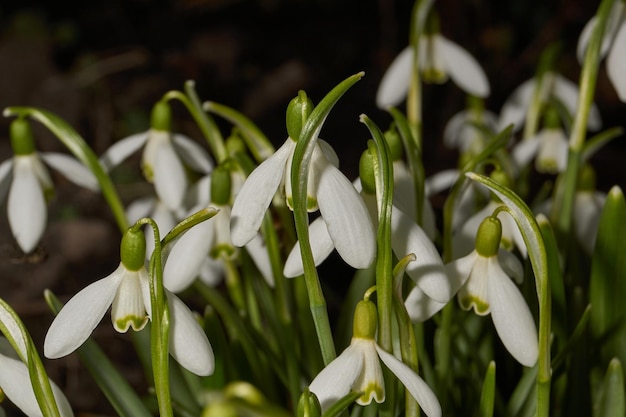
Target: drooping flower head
[(357, 369), (127, 292), (340, 205), (165, 157), (439, 58), (30, 186), (489, 290)]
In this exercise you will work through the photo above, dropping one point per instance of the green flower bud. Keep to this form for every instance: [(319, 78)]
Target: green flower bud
[(432, 26), (587, 178), (220, 409), (366, 172), (220, 185), (244, 391), (309, 405), (488, 237), (161, 117), (298, 111), (365, 320), (235, 144), (394, 141), (133, 249), (22, 140)]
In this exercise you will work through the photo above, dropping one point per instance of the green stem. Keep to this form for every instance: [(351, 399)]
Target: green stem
[(206, 124), (588, 79)]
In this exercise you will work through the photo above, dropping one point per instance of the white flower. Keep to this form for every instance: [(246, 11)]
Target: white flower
[(549, 147), (16, 385), (340, 205), (29, 185), (163, 162), (462, 132), (127, 291), (438, 59), (358, 369), (552, 86), (613, 44), (488, 289), (406, 237)]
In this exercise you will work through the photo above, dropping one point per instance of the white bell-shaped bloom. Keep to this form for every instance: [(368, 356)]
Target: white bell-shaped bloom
[(17, 387), (613, 44), (461, 131), (553, 86), (358, 369), (548, 147), (165, 156), (439, 58), (127, 292), (29, 185), (340, 205)]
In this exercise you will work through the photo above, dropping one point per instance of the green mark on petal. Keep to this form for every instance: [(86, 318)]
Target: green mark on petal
[(373, 391), (481, 307), (123, 324)]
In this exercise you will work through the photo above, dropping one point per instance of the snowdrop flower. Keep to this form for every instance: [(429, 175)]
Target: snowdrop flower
[(488, 289), (552, 86), (358, 369), (164, 157), (406, 237), (461, 131), (198, 251), (29, 184), (340, 205), (549, 147), (16, 385), (127, 291), (439, 58), (613, 44)]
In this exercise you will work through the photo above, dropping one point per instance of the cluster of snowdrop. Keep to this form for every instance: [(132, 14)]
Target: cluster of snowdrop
[(219, 226)]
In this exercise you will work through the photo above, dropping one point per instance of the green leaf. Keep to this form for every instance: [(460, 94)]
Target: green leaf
[(611, 401), (488, 395), (607, 287), (112, 384), (341, 404)]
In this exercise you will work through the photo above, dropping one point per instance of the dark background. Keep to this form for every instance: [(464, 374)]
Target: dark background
[(102, 65)]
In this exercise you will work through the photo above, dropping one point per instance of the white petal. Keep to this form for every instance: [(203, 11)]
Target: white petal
[(258, 252), (348, 221), (427, 270), (26, 207), (256, 194), (422, 393), (82, 313), (140, 208), (192, 153), (394, 85), (187, 256), (321, 246), (516, 106), (199, 193), (170, 179), (616, 63), (452, 132), (122, 149), (188, 342), (587, 209), (6, 176), (370, 382), (212, 271), (511, 265), (583, 40), (567, 92), (328, 152), (421, 307), (553, 149), (71, 169), (129, 307), (440, 181), (464, 70), (335, 380), (16, 384), (511, 316), (525, 151)]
